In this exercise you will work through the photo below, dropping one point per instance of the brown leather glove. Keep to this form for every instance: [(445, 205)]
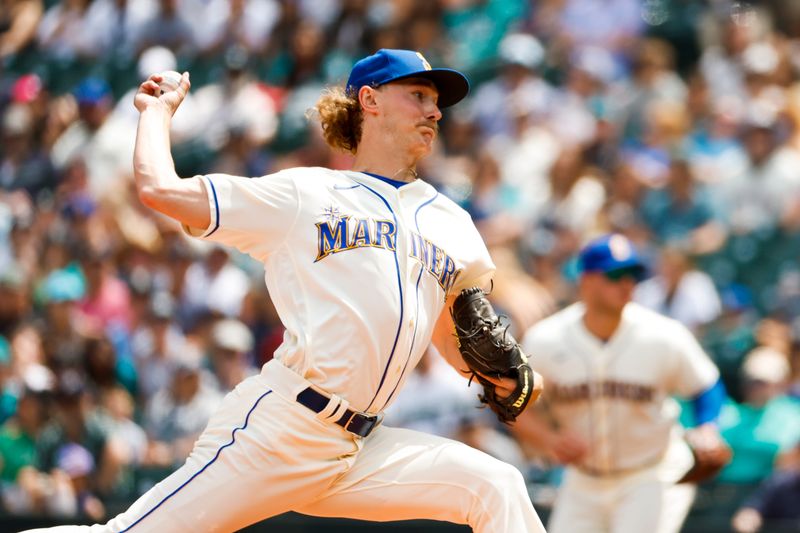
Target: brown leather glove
[(489, 350), (711, 454)]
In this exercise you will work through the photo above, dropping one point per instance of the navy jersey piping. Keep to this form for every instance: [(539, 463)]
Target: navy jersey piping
[(216, 456), (400, 291), (416, 323), (394, 183), (216, 205)]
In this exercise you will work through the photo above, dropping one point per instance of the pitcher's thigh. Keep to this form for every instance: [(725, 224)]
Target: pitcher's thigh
[(401, 474)]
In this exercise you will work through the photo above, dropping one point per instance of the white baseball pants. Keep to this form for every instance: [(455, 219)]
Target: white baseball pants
[(263, 454), (633, 503)]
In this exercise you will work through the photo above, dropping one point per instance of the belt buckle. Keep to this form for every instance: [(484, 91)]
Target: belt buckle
[(371, 421)]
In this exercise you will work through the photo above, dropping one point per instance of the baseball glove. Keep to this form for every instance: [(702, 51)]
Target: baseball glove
[(489, 350), (710, 456)]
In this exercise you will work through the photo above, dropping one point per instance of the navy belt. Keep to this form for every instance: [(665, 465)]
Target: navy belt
[(360, 424)]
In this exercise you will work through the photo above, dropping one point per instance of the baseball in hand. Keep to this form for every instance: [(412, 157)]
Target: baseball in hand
[(169, 81)]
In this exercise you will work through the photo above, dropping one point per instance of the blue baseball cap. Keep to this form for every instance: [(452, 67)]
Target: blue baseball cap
[(611, 253), (91, 91), (388, 65)]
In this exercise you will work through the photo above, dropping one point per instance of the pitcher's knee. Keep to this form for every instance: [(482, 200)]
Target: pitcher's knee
[(498, 483)]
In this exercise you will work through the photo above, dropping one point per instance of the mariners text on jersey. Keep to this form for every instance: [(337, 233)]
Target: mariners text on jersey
[(339, 233), (342, 232), (606, 389)]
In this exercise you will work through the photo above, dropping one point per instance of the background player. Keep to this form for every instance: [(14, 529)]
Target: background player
[(611, 367), (363, 266)]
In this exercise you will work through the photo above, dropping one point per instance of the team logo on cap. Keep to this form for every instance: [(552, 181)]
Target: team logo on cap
[(620, 247), (424, 61)]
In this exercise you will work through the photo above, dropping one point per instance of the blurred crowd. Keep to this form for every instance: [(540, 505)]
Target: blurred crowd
[(674, 122)]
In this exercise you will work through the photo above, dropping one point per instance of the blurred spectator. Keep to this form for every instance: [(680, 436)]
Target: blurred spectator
[(22, 164), (653, 79), (179, 412), (612, 25), (665, 125), (78, 464), (167, 26), (765, 424), (214, 284), (15, 300), (713, 148), (129, 439), (95, 139), (118, 403), (517, 87), (474, 29), (759, 198), (237, 108), (576, 195), (18, 22), (231, 352), (28, 357), (157, 343), (730, 337), (682, 213), (78, 442), (222, 24), (773, 504), (105, 370), (64, 344), (680, 291), (23, 488), (119, 25), (64, 34), (720, 62), (349, 30), (493, 205), (581, 103), (107, 300), (9, 387)]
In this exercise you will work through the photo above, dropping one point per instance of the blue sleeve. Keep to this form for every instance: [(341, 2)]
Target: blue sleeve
[(708, 403)]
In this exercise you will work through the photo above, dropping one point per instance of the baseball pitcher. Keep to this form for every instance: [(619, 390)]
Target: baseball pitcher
[(364, 267)]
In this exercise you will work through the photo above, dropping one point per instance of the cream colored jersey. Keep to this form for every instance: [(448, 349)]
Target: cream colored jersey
[(617, 394), (357, 268)]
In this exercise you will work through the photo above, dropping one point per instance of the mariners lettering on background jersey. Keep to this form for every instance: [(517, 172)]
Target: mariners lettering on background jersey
[(606, 389), (339, 233), (435, 260)]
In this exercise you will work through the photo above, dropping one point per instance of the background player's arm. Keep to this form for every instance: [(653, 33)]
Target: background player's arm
[(534, 428), (157, 183)]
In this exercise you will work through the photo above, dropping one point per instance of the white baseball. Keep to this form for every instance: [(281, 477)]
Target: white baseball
[(170, 80)]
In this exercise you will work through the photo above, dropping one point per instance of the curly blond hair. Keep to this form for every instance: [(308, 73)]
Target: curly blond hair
[(340, 115)]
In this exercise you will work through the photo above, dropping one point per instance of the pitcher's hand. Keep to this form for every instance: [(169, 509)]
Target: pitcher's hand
[(169, 101)]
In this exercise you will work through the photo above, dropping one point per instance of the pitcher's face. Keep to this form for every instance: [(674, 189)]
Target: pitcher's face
[(410, 113)]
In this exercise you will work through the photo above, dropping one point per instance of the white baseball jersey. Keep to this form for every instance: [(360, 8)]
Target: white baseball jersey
[(358, 269), (616, 395)]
